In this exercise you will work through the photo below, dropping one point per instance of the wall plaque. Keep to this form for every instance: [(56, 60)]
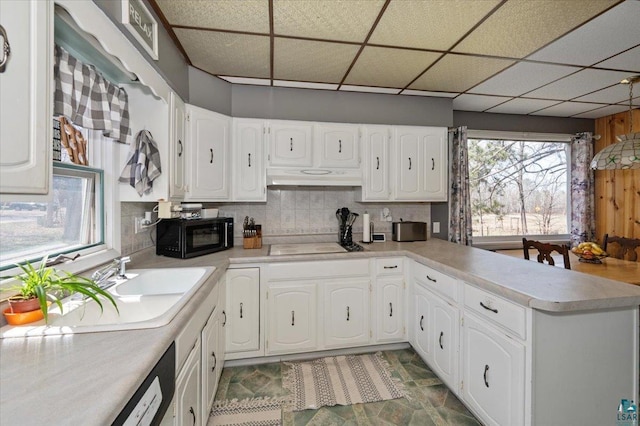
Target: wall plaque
[(141, 24)]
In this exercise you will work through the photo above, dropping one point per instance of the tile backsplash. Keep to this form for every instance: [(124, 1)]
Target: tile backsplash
[(294, 214)]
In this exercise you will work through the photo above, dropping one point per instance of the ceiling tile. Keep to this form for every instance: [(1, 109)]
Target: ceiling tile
[(522, 106), (566, 109), (315, 61), (245, 80), (386, 67), (303, 85), (578, 84), (602, 112), (629, 60), (457, 73), (612, 32), (366, 89), (218, 53), (522, 78), (246, 15), (345, 20), (611, 95), (430, 94), (520, 27), (420, 24), (477, 102), (635, 101)]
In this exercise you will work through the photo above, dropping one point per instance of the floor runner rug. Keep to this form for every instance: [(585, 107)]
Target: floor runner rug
[(248, 412), (340, 380)]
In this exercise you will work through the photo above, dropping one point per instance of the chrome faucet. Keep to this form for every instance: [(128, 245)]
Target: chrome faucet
[(102, 275)]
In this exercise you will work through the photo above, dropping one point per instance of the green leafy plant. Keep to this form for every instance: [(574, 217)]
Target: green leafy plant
[(49, 285)]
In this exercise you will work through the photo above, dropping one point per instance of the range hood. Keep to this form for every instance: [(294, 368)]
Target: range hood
[(313, 177)]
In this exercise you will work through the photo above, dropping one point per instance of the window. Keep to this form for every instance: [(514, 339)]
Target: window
[(518, 187), (71, 221)]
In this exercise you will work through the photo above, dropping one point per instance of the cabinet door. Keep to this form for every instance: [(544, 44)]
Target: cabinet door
[(211, 365), (436, 165), (493, 373), (346, 313), (445, 338), (292, 318), (188, 401), (338, 145), (177, 141), (389, 312), (26, 101), (290, 144), (409, 163), (422, 317), (376, 167), (243, 310), (209, 139), (248, 161)]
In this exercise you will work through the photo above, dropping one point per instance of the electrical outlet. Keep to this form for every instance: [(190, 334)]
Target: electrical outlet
[(436, 227), (138, 224)]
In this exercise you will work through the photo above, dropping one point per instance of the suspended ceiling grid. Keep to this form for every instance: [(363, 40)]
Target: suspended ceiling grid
[(560, 58)]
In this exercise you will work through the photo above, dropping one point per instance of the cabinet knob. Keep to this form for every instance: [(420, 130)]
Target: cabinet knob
[(421, 319), (293, 318), (486, 369), (489, 308), (181, 148), (390, 309), (224, 322), (6, 48), (215, 361), (339, 146), (347, 313), (440, 340), (433, 164), (377, 163), (409, 163), (193, 413), (240, 309), (290, 144), (211, 159), (433, 280), (249, 159)]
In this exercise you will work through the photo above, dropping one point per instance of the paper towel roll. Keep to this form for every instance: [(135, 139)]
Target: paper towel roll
[(366, 228)]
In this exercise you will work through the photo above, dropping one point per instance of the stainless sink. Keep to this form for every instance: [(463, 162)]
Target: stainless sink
[(305, 248)]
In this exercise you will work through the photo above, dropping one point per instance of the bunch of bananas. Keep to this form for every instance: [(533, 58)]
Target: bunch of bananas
[(589, 250)]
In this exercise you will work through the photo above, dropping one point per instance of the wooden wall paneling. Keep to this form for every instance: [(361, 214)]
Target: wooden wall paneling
[(617, 192)]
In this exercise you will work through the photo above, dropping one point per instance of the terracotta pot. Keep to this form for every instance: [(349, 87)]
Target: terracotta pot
[(23, 305)]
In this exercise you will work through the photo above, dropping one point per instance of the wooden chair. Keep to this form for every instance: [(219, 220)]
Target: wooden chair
[(545, 250), (626, 248)]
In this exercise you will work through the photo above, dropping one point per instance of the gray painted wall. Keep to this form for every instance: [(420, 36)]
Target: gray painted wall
[(209, 92), (171, 65), (345, 107)]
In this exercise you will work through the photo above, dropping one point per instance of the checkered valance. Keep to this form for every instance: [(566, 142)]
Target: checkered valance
[(86, 98)]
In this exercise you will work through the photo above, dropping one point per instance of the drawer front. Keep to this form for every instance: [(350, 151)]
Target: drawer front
[(504, 313), (318, 269), (437, 281), (390, 266)]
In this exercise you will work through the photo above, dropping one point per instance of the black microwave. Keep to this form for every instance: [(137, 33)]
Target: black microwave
[(184, 238)]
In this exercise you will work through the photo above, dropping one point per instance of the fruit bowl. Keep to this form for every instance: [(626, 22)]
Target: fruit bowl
[(589, 252)]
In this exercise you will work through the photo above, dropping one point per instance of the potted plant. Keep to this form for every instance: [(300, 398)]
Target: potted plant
[(39, 287)]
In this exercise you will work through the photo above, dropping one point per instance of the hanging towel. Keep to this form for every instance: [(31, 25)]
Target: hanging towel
[(143, 164)]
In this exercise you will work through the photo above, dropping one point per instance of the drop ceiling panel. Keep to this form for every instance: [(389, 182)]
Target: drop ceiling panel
[(246, 15), (385, 67), (566, 109), (522, 106), (457, 73), (344, 20), (629, 60), (422, 25), (238, 55), (303, 85), (611, 95), (313, 61), (522, 78), (520, 27), (578, 84), (477, 102), (614, 31), (431, 94), (602, 112), (367, 89)]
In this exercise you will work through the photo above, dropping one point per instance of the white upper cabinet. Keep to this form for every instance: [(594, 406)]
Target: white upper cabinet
[(420, 163), (208, 137), (337, 145), (375, 145), (178, 150), (26, 101), (248, 179), (291, 143)]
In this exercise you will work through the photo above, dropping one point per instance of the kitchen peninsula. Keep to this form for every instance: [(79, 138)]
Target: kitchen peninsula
[(571, 340)]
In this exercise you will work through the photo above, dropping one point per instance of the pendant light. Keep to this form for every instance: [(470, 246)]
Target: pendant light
[(624, 154)]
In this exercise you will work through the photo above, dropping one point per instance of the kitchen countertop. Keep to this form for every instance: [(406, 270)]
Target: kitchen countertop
[(61, 380)]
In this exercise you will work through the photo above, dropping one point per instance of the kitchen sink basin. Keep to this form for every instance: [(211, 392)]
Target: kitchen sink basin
[(147, 298)]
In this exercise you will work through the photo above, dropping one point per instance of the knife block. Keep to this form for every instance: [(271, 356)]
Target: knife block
[(253, 241)]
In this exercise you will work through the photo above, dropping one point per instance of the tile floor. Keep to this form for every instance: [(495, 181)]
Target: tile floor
[(431, 402)]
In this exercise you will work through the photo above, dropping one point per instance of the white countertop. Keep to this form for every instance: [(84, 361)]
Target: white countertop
[(88, 378)]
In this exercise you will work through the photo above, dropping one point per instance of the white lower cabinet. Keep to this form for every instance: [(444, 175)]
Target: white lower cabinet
[(493, 373), (389, 309), (188, 408), (291, 318), (212, 358), (243, 310), (346, 313), (422, 308)]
